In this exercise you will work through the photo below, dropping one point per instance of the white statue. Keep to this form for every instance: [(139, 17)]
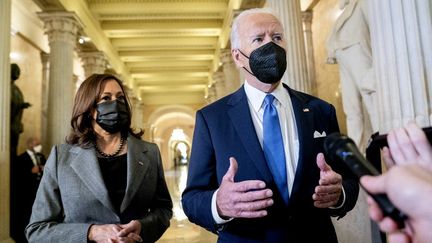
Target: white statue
[(349, 45)]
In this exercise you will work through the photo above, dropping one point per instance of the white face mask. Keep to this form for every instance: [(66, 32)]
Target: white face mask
[(37, 148)]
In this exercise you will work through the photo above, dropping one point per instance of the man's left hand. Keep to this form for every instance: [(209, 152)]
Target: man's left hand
[(329, 187)]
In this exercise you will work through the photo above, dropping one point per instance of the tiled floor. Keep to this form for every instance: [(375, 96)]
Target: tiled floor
[(181, 230)]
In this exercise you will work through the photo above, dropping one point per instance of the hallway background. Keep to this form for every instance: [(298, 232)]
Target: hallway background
[(174, 56)]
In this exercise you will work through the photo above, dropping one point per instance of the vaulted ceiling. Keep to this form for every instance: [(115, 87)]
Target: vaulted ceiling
[(164, 49)]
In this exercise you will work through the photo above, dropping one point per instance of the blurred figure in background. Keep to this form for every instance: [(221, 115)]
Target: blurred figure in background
[(26, 173)]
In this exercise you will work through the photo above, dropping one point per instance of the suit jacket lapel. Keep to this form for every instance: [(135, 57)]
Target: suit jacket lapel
[(241, 119), (137, 165), (304, 121), (85, 165)]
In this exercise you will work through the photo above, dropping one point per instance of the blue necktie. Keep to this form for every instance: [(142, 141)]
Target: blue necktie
[(273, 146)]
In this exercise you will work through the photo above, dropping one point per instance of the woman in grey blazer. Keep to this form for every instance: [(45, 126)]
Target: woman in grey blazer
[(105, 184)]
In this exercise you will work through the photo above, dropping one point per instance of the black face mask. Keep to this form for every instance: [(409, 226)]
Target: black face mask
[(112, 116), (267, 63)]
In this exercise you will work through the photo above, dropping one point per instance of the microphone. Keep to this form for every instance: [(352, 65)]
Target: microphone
[(340, 148)]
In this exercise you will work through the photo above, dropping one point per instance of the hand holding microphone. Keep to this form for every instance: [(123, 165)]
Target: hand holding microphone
[(341, 148), (407, 183)]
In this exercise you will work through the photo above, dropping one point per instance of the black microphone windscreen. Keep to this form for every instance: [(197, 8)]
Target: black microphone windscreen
[(333, 142)]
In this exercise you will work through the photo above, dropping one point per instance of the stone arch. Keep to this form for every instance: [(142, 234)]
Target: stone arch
[(163, 121), (155, 115)]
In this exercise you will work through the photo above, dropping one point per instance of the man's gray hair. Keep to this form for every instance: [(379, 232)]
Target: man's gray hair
[(235, 41)]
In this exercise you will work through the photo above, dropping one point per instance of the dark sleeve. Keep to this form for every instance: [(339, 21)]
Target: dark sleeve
[(349, 181), (154, 224), (201, 181)]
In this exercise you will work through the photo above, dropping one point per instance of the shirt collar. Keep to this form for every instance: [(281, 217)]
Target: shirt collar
[(256, 96), (31, 154)]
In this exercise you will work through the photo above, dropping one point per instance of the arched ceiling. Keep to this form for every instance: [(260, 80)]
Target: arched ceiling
[(164, 49)]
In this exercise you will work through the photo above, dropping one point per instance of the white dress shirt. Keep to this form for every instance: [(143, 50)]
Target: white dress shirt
[(283, 105), (32, 157)]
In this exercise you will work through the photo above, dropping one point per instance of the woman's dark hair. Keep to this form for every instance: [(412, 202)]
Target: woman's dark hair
[(86, 98)]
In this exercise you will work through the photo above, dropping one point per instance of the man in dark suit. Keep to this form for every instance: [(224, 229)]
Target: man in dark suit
[(26, 173), (256, 172)]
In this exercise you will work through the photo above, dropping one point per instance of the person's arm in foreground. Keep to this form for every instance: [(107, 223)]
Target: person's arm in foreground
[(407, 183)]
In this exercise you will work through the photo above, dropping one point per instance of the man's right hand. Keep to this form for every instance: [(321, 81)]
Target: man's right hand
[(246, 199)]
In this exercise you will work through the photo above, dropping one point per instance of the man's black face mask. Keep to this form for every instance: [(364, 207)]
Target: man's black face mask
[(267, 63), (112, 116)]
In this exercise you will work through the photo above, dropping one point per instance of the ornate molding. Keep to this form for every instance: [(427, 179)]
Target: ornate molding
[(199, 33), (160, 1), (61, 26), (93, 62), (218, 77), (208, 23), (226, 57), (169, 47), (161, 16), (44, 59), (307, 16), (247, 4), (93, 57), (49, 5)]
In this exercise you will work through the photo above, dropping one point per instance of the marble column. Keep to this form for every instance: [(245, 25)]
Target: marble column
[(310, 59), (136, 108), (62, 29), (401, 35), (219, 83), (211, 97), (296, 75), (134, 103), (45, 93), (93, 62), (137, 113), (5, 99), (232, 76)]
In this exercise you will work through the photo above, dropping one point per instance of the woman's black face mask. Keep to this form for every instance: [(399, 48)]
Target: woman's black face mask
[(267, 63), (112, 116)]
